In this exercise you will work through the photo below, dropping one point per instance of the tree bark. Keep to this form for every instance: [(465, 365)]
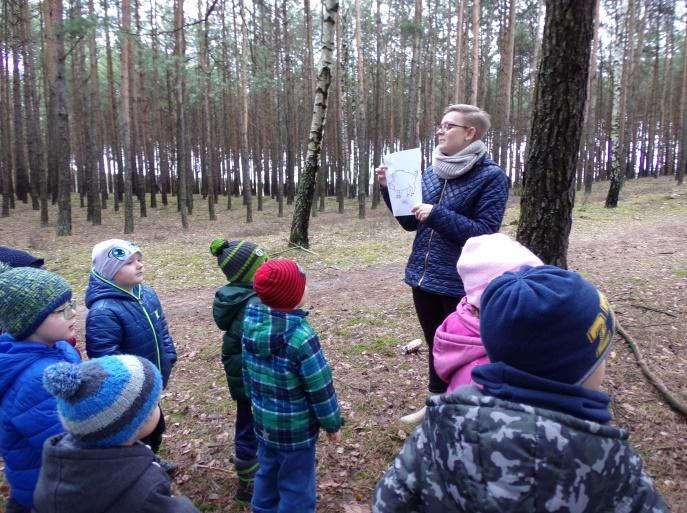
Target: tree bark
[(548, 192), (58, 119), (125, 42), (301, 214), (682, 163), (179, 52)]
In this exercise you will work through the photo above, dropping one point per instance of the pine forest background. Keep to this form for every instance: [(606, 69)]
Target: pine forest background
[(136, 103)]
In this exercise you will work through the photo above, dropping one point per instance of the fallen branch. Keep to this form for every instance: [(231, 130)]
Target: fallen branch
[(669, 398), (653, 309), (216, 469), (294, 245)]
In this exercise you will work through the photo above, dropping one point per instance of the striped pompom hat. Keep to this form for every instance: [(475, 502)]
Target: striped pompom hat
[(105, 402), (238, 259), (27, 297)]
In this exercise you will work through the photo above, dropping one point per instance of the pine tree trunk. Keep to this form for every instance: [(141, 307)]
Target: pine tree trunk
[(682, 163), (125, 43), (474, 86), (182, 170), (362, 143), (548, 191), (58, 119)]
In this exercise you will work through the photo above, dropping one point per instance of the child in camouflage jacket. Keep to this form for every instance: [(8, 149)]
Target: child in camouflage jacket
[(537, 436)]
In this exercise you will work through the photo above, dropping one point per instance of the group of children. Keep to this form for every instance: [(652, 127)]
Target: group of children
[(523, 426)]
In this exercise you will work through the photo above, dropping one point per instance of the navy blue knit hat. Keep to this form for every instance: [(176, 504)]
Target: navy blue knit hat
[(18, 258), (548, 322), (27, 297), (105, 402)]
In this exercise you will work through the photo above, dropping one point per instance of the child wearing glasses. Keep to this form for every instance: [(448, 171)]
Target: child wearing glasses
[(38, 315), (18, 258), (125, 317)]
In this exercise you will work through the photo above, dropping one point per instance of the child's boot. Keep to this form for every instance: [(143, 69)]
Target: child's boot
[(246, 470)]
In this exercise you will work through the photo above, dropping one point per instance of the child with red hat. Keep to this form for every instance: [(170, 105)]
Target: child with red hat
[(290, 387)]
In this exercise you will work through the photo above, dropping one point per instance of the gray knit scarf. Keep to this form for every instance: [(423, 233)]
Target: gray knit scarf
[(453, 166)]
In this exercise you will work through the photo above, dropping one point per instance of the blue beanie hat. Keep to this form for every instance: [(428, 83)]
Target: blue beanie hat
[(27, 297), (18, 258), (548, 322), (105, 402)]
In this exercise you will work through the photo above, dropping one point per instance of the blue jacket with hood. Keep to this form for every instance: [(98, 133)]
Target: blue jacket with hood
[(467, 206), (123, 322), (28, 412)]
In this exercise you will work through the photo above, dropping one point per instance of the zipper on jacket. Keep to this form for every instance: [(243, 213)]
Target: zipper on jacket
[(152, 327), (145, 312), (429, 243)]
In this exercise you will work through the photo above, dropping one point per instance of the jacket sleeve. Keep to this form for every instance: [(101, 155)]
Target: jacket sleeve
[(646, 498), (160, 500), (316, 377), (400, 488), (488, 213), (36, 412), (104, 333), (408, 223)]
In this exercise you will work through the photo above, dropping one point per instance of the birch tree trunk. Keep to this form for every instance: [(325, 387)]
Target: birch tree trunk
[(301, 214)]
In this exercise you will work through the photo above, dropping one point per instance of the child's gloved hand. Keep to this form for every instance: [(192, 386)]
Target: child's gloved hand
[(334, 438)]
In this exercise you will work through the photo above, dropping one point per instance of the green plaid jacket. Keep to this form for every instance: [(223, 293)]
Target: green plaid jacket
[(287, 379)]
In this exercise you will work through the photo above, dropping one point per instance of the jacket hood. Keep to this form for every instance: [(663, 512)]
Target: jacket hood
[(229, 302), (107, 473), (15, 357), (266, 331), (100, 288)]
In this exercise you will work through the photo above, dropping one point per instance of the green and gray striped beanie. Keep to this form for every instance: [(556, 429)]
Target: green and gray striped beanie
[(105, 402), (27, 297), (238, 259)]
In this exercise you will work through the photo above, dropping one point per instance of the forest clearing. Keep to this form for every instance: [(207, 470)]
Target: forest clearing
[(363, 313)]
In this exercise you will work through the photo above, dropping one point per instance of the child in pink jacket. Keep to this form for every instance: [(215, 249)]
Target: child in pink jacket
[(457, 344)]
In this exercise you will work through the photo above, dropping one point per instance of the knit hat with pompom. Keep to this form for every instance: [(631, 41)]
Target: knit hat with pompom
[(238, 259), (27, 297), (105, 402)]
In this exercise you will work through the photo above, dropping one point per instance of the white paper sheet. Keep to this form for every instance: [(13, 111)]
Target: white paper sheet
[(404, 180)]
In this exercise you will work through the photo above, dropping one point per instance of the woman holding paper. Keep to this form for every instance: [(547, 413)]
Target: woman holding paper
[(464, 195)]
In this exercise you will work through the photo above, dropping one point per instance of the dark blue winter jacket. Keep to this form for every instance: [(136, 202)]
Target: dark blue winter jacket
[(472, 204), (28, 413), (122, 322)]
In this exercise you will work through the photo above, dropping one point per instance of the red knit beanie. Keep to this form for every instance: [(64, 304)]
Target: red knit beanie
[(280, 284)]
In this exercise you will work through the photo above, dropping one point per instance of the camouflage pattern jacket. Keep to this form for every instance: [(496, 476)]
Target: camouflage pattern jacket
[(478, 453)]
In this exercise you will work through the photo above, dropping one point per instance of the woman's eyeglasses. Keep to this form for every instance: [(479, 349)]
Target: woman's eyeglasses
[(449, 126), (68, 311)]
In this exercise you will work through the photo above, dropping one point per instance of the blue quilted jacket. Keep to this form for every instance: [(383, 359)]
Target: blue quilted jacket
[(28, 413), (472, 204), (122, 322)]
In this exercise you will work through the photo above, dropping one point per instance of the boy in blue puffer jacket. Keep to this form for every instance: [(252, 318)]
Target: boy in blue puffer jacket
[(125, 316), (38, 314)]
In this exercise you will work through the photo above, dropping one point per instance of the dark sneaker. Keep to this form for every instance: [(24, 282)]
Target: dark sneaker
[(246, 471), (168, 466)]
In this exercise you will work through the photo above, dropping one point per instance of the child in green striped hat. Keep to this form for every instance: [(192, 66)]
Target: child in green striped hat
[(238, 260)]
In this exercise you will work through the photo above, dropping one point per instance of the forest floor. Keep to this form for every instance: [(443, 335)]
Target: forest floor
[(362, 310)]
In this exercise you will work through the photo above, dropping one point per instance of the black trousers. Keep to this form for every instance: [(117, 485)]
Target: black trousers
[(431, 311), (154, 439)]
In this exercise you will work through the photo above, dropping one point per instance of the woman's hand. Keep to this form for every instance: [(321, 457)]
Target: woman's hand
[(381, 174), (422, 211)]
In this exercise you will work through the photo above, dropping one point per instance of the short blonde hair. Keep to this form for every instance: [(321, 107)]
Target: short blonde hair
[(474, 117)]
